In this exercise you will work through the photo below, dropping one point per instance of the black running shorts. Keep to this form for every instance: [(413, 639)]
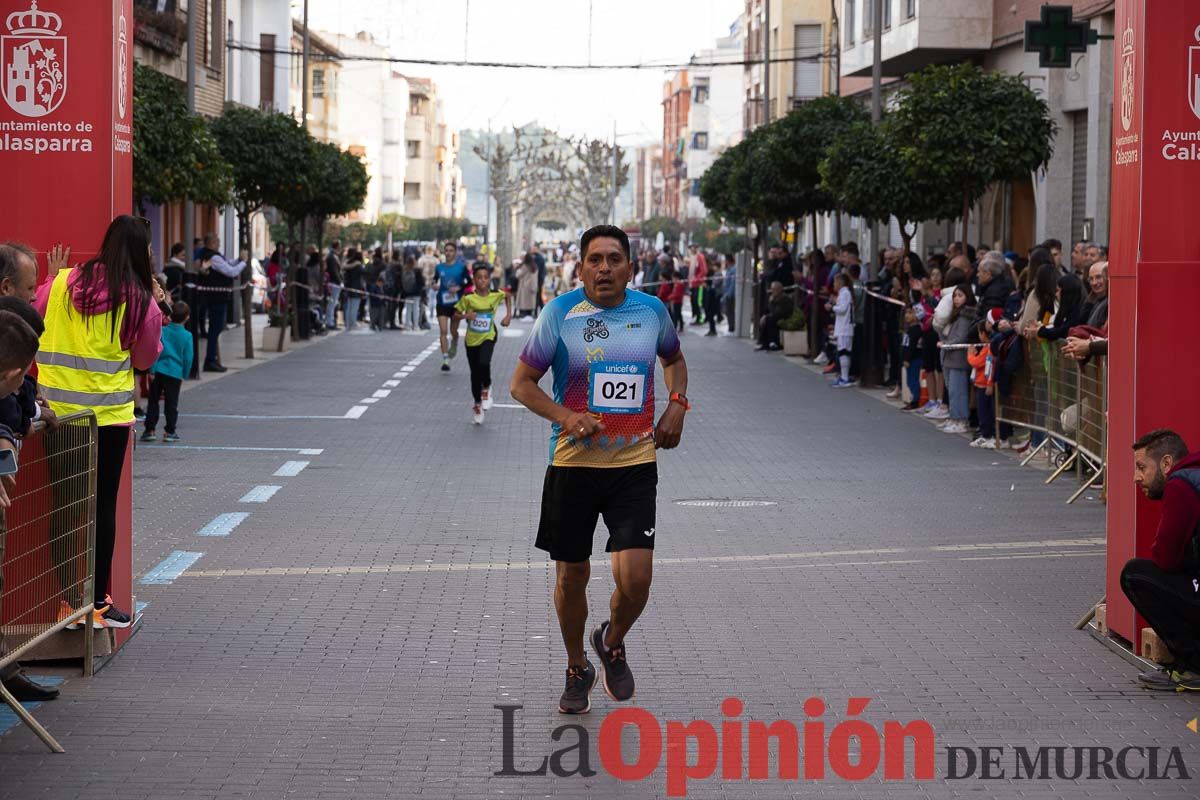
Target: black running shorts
[(445, 310), (573, 498)]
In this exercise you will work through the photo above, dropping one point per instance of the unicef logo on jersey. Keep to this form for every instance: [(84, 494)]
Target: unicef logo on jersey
[(594, 330)]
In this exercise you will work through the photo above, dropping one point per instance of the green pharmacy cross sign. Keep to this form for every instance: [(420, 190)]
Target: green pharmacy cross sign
[(1056, 36)]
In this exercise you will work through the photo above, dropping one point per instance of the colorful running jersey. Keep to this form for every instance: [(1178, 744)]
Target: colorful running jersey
[(602, 360), (451, 280), (483, 327)]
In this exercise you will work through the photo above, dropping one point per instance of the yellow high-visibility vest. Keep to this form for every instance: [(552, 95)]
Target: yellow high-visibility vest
[(81, 363)]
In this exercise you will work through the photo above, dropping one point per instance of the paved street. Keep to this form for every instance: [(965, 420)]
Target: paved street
[(352, 634)]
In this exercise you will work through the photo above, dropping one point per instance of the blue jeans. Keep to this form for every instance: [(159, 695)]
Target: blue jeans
[(957, 384), (914, 379), (331, 304), (353, 301)]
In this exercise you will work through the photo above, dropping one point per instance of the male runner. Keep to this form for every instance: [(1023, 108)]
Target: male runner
[(449, 278), (479, 310), (601, 342)]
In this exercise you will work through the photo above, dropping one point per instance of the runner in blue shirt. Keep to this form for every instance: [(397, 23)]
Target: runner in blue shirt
[(449, 279), (602, 342)]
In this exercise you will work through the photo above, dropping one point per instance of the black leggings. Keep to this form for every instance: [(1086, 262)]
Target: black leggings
[(479, 359), (111, 443)]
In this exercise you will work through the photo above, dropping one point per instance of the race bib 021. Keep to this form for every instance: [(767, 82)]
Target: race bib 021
[(617, 387)]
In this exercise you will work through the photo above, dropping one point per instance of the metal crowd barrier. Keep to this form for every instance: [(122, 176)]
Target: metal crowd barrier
[(47, 546), (1064, 403)]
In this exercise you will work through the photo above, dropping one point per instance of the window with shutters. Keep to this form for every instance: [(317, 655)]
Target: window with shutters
[(700, 140), (806, 69), (1079, 140), (318, 83), (849, 23), (266, 70)]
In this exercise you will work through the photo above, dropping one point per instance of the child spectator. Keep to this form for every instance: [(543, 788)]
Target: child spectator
[(979, 357), (20, 409), (843, 325), (378, 296), (172, 366), (954, 361)]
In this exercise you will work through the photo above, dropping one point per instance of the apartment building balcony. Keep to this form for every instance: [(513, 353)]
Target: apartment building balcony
[(920, 34)]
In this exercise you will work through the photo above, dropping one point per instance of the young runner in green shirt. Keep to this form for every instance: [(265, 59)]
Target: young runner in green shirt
[(479, 310)]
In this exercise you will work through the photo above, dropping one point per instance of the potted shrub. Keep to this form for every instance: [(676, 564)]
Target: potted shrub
[(794, 333)]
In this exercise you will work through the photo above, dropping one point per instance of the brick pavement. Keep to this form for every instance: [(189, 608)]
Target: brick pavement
[(351, 636)]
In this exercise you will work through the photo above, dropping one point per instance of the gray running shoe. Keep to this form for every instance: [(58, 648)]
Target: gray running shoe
[(1163, 680), (618, 680), (576, 698)]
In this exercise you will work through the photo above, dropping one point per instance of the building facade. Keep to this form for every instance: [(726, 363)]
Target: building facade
[(801, 41), (324, 77), (714, 114), (1069, 199), (433, 184), (677, 101)]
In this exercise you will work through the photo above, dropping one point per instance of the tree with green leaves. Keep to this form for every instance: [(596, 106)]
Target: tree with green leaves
[(867, 175), (963, 128), (337, 182), (669, 227), (174, 155), (269, 153)]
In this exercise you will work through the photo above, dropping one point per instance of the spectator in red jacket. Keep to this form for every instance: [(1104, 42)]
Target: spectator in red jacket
[(697, 282), (1165, 588)]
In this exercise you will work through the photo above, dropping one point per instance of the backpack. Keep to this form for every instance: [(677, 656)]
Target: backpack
[(408, 282)]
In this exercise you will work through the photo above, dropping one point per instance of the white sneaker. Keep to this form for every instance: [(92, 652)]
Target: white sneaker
[(989, 444), (487, 399), (822, 359), (1002, 444), (941, 412), (979, 441), (477, 415), (955, 427), (929, 408)]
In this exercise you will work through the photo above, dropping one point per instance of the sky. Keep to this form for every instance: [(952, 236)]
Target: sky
[(546, 32)]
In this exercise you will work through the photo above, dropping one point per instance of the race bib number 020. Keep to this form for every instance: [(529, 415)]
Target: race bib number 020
[(617, 387), (482, 322)]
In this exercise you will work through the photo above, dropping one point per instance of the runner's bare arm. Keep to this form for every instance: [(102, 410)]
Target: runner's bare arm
[(670, 425), (507, 309), (525, 390)]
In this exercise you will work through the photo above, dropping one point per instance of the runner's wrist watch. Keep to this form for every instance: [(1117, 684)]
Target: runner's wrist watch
[(677, 397)]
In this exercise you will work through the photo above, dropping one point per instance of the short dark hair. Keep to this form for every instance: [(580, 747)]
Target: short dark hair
[(1054, 244), (478, 265), (18, 342), (850, 247), (855, 270), (603, 232), (180, 312), (450, 244), (25, 311), (178, 248), (1162, 442)]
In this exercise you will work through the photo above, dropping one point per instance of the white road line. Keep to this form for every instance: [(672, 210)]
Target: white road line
[(399, 374), (381, 393), (223, 524), (170, 568), (291, 469), (369, 400), (506, 405), (301, 451), (260, 494), (392, 384), (356, 412), (946, 548)]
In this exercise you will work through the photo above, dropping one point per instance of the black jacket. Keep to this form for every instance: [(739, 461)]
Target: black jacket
[(995, 295)]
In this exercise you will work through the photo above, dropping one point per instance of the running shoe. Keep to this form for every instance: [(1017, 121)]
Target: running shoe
[(147, 436), (955, 427), (989, 444), (1165, 680), (843, 384), (477, 415), (453, 347), (978, 441), (821, 359), (64, 611), (941, 412), (893, 394), (930, 405), (109, 616), (170, 437), (618, 680), (913, 406), (487, 399), (445, 363), (576, 698)]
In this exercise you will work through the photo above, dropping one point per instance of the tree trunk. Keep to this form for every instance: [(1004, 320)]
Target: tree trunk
[(966, 216), (243, 215), (504, 247), (837, 226)]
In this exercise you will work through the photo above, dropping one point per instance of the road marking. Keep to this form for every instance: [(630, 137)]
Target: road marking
[(392, 384), (369, 400), (9, 720), (356, 412), (223, 524), (405, 370), (259, 417), (507, 405), (170, 568), (260, 494), (381, 393), (399, 374), (948, 548), (304, 451), (386, 569), (291, 469)]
